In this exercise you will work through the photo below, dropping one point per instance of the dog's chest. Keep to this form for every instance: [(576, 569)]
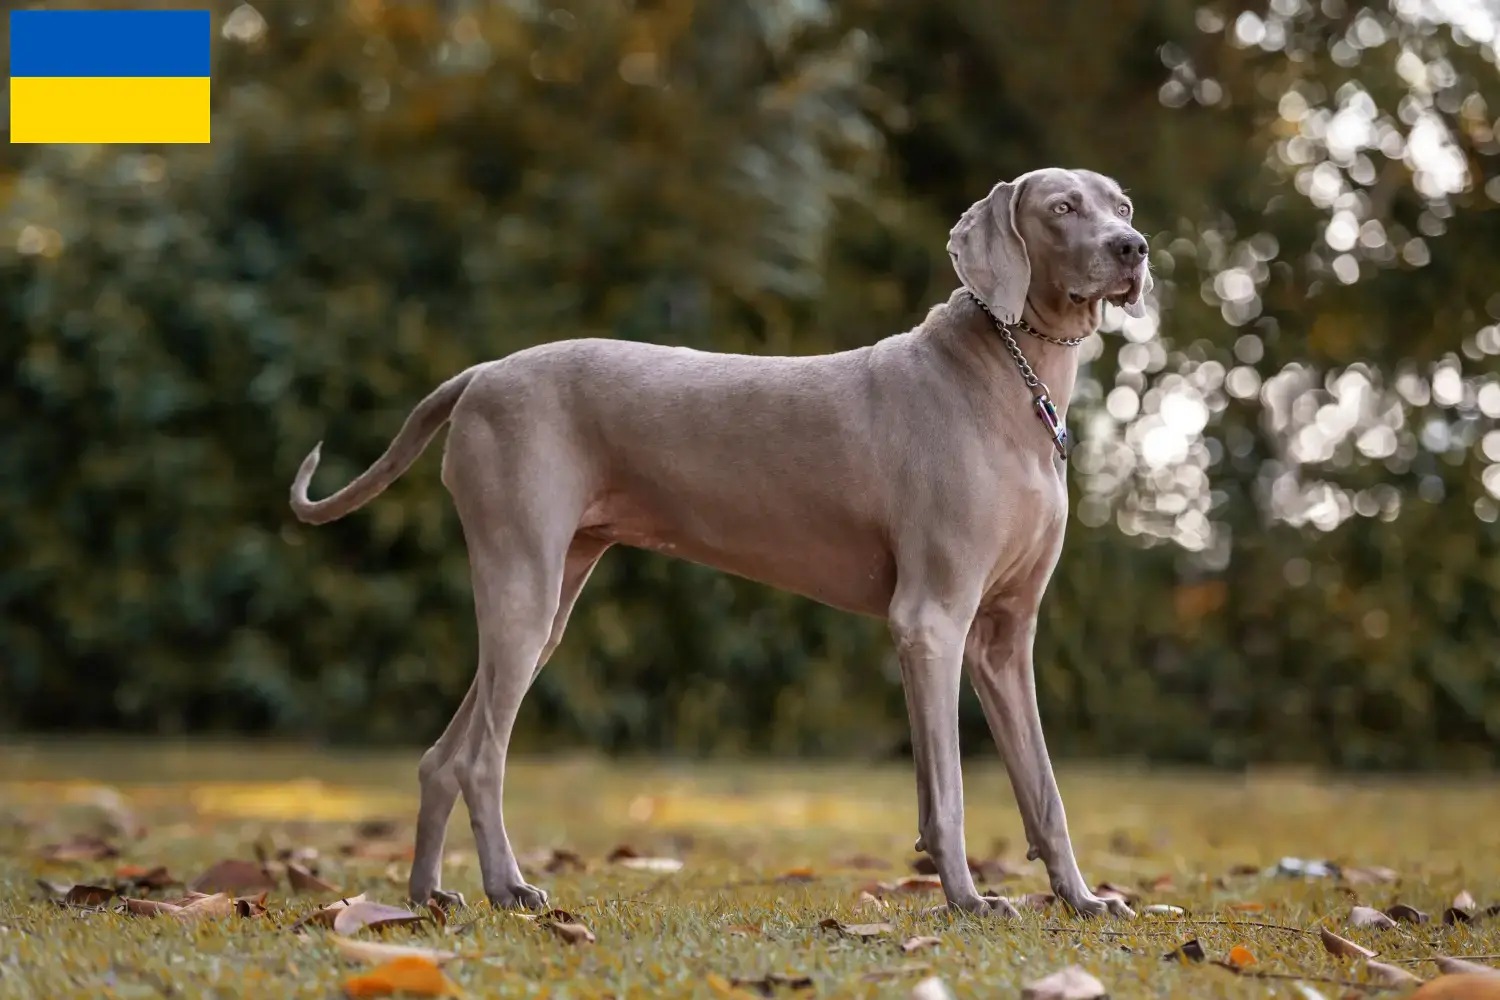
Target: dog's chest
[(1028, 515)]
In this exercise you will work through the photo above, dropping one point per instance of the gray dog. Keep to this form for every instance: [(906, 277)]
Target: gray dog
[(917, 479)]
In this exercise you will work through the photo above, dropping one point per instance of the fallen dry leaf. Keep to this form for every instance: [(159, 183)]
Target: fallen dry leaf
[(1455, 915), (570, 931), (1244, 869), (768, 984), (1407, 914), (410, 975), (80, 848), (1368, 916), (438, 914), (931, 988), (562, 859), (323, 916), (250, 906), (662, 865), (918, 883), (139, 877), (1241, 957), (1163, 910), (869, 903), (862, 862), (379, 951), (1342, 947), (88, 896), (233, 875), (357, 916), (796, 875), (1247, 907), (1188, 951), (1459, 967), (212, 907), (1072, 983), (1464, 901), (862, 931), (1460, 987), (305, 880), (1391, 975), (920, 943), (150, 908), (743, 930)]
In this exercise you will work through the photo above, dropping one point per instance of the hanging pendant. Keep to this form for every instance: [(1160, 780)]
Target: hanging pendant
[(1047, 413)]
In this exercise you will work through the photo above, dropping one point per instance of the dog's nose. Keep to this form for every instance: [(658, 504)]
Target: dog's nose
[(1131, 247)]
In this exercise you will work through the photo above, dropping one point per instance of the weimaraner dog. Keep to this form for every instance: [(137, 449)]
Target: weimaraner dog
[(919, 479)]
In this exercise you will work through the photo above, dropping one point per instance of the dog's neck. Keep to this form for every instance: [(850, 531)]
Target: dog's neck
[(1055, 365)]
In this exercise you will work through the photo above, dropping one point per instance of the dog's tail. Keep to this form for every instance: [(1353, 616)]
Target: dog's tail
[(423, 422)]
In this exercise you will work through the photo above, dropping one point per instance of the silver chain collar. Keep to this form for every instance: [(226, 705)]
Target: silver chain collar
[(1041, 399)]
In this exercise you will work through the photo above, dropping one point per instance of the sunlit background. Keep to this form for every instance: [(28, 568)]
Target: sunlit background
[(1287, 481)]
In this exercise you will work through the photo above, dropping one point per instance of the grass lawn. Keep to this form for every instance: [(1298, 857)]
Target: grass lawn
[(768, 853)]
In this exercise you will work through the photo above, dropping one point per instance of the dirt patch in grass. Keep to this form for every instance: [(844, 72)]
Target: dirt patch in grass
[(718, 880)]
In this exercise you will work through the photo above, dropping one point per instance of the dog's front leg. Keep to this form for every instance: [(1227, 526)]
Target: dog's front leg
[(929, 641), (1000, 657)]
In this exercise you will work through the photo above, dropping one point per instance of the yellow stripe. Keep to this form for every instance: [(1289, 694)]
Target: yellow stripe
[(109, 109)]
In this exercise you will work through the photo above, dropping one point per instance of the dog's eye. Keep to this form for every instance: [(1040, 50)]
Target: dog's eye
[(1062, 208), (1124, 210)]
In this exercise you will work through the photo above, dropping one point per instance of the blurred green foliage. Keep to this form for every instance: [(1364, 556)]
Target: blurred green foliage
[(1284, 546)]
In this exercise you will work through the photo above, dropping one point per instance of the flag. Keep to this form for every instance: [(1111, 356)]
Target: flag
[(109, 76)]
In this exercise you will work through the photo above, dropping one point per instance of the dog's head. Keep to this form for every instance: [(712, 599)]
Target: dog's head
[(1064, 236)]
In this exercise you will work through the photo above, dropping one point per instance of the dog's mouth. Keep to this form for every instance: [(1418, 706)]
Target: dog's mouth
[(1076, 299), (1130, 293)]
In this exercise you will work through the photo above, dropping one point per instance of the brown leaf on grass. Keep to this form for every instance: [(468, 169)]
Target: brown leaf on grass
[(918, 883), (1368, 916), (1455, 915), (1245, 906), (213, 907), (861, 931), (1072, 983), (570, 931), (232, 875), (920, 944), (768, 984), (862, 862), (188, 898), (743, 930), (1369, 876), (1461, 987), (1188, 951), (438, 914), (323, 916), (1241, 957), (376, 916), (1163, 910), (1391, 975), (379, 951), (407, 976), (1406, 914), (1458, 967), (621, 852), (250, 906), (797, 875), (1464, 901), (88, 896), (1243, 869), (149, 907), (302, 879), (1107, 890), (1341, 947), (867, 903), (140, 877), (80, 848)]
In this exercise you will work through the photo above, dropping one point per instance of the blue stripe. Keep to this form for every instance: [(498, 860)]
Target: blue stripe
[(110, 42)]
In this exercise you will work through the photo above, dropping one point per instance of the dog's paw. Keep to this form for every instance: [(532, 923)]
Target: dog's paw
[(518, 897), (1086, 904), (986, 906), (446, 899)]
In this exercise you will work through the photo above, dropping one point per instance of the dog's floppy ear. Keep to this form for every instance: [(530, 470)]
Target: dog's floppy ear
[(1136, 305), (989, 254)]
